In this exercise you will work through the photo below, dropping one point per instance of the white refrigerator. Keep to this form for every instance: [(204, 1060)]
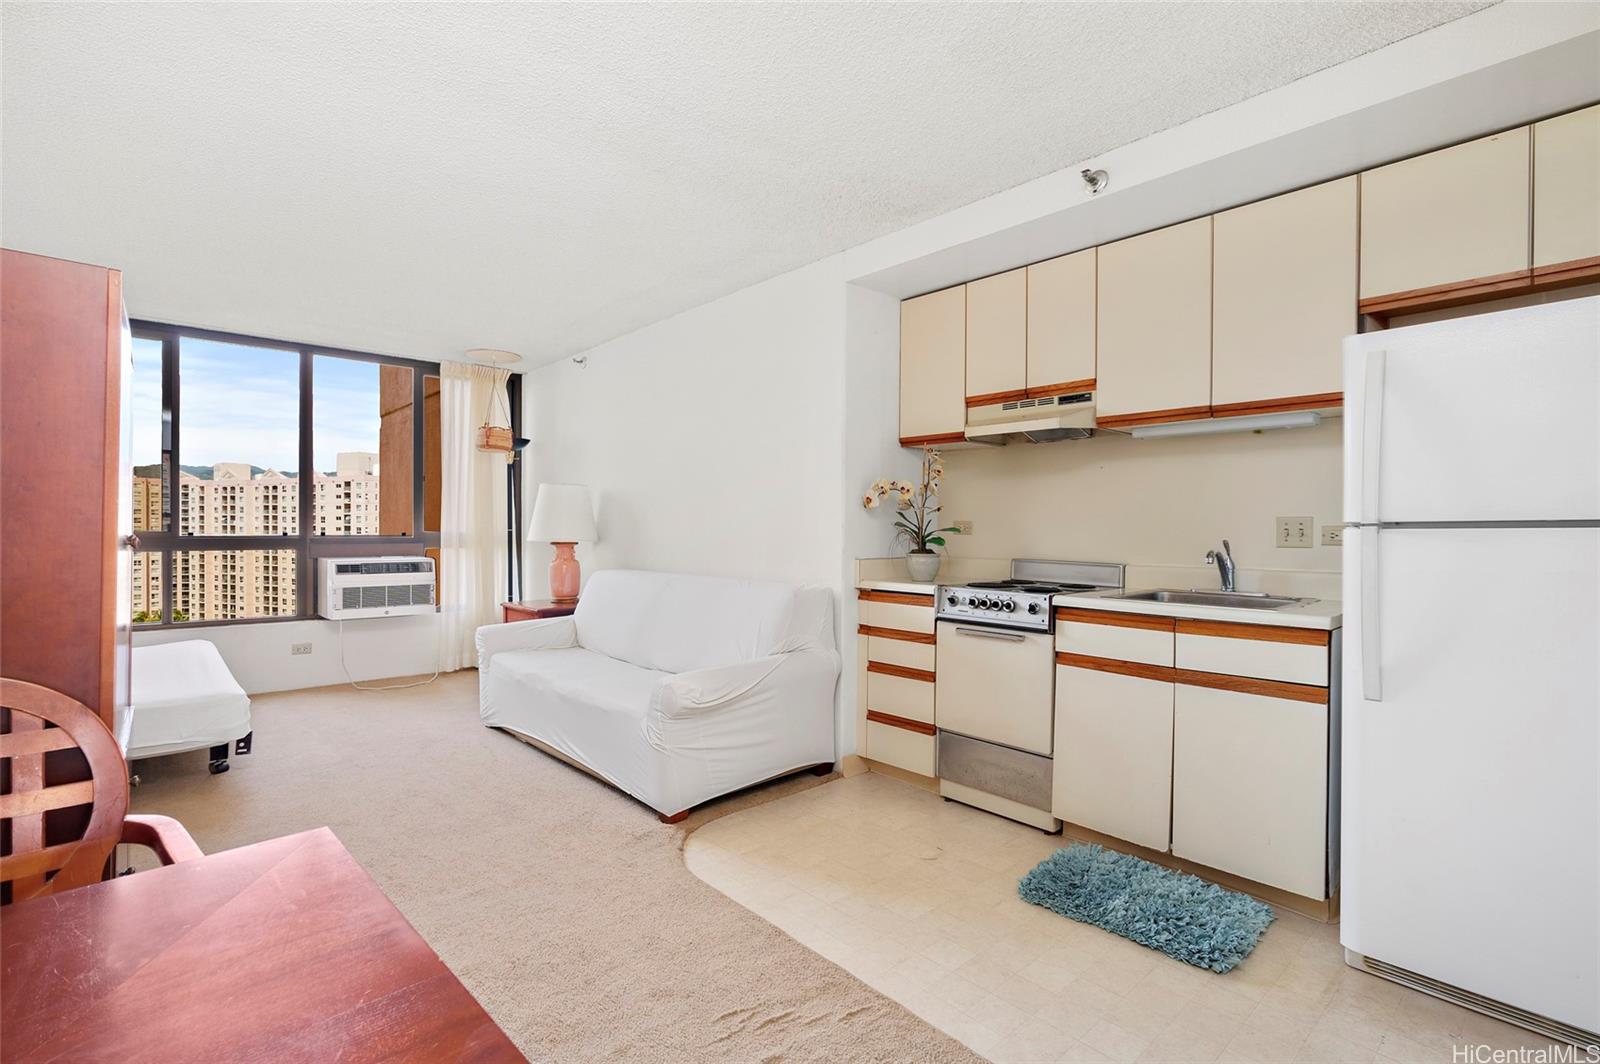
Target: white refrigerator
[(1471, 749)]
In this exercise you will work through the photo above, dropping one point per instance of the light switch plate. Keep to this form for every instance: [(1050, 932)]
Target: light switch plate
[(963, 528), (299, 648), (1294, 532)]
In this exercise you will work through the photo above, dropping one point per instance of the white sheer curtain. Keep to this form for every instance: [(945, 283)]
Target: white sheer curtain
[(472, 532)]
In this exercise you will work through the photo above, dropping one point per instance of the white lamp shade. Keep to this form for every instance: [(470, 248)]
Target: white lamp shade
[(562, 513)]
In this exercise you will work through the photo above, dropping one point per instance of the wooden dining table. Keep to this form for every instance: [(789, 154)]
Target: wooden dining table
[(284, 950)]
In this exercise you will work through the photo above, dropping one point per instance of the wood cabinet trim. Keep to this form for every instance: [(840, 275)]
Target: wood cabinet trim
[(1276, 406), (902, 598), (1154, 417), (933, 440), (904, 723), (1116, 620), (1044, 391), (1446, 295), (1266, 633), (926, 638), (903, 671), (1160, 673), (1249, 686), (989, 398), (1559, 274)]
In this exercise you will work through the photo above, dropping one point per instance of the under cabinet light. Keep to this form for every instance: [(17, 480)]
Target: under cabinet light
[(1297, 419)]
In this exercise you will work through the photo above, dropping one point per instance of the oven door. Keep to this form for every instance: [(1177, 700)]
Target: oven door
[(996, 684)]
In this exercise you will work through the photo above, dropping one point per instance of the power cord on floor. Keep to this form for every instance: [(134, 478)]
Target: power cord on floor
[(385, 687)]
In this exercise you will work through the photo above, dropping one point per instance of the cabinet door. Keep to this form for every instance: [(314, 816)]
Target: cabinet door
[(1061, 324), (1455, 217), (1285, 296), (997, 337), (1566, 188), (933, 357), (1113, 754), (1250, 786), (1154, 304)]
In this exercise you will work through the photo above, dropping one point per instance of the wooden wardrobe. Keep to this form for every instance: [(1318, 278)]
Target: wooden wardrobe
[(66, 510)]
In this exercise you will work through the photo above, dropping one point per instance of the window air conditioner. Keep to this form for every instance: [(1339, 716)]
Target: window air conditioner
[(350, 589)]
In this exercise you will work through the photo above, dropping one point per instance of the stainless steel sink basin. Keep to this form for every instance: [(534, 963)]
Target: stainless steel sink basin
[(1243, 600)]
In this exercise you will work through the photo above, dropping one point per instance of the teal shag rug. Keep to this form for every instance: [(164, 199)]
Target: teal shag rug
[(1184, 917)]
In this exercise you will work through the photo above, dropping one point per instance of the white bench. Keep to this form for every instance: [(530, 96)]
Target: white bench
[(184, 698)]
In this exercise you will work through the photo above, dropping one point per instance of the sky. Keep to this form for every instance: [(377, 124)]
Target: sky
[(240, 404)]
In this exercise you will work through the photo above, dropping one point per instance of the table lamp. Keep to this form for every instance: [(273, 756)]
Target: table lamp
[(562, 517)]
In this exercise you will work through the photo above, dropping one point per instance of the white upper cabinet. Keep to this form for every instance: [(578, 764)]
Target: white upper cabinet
[(1154, 303), (1460, 216), (1566, 188), (997, 336), (1061, 323), (933, 357), (1285, 295)]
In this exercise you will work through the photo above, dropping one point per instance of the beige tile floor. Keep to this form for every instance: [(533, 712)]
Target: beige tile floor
[(917, 897)]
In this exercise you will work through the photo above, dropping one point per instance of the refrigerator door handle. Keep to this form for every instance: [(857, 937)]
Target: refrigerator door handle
[(1372, 436), (1371, 637)]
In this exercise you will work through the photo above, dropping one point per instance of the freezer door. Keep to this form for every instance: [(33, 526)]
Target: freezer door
[(1489, 418), (1471, 807)]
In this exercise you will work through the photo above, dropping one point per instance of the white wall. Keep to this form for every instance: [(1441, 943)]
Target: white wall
[(259, 655), (711, 441), (1149, 502)]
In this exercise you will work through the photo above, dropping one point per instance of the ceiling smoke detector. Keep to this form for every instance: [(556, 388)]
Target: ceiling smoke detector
[(1095, 180)]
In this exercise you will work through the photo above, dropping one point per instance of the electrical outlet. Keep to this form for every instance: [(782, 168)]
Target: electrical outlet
[(1294, 531), (299, 648), (1333, 535), (963, 528)]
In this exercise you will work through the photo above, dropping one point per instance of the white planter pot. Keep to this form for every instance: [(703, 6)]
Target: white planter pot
[(924, 567)]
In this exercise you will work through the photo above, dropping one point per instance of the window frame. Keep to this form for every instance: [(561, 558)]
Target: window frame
[(309, 547)]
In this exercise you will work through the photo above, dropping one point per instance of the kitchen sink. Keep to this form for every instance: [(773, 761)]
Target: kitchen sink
[(1244, 600)]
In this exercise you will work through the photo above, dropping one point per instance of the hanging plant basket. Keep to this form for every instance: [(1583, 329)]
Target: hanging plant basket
[(493, 438)]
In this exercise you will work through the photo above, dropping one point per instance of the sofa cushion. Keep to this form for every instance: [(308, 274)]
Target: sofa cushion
[(574, 675), (676, 623)]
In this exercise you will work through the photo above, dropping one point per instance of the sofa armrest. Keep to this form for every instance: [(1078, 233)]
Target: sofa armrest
[(691, 694), (550, 633)]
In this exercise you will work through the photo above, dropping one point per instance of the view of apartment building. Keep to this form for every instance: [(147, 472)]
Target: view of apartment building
[(236, 500)]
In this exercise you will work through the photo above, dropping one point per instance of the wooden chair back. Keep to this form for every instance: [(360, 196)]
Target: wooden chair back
[(41, 721)]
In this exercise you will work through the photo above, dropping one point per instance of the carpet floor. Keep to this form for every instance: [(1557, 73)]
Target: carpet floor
[(563, 905)]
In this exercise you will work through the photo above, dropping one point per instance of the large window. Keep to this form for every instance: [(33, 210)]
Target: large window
[(252, 459)]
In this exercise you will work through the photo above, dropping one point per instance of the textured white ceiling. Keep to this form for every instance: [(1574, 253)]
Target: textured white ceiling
[(426, 178)]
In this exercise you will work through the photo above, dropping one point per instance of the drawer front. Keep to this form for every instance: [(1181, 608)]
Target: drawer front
[(900, 652), (896, 615), (909, 750), (1256, 658), (1250, 787), (900, 697), (1149, 647)]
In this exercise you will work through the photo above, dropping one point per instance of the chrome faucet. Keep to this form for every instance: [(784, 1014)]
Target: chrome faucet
[(1224, 564)]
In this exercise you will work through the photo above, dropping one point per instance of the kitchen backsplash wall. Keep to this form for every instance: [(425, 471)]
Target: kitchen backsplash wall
[(1149, 502)]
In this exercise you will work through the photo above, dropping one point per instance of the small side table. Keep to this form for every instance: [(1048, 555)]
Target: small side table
[(538, 609)]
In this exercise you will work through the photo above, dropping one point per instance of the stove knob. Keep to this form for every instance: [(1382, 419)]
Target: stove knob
[(953, 600), (971, 601), (1033, 607), (1008, 605)]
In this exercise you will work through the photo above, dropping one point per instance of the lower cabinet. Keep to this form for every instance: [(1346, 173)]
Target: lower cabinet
[(892, 745), (1113, 754), (1249, 786)]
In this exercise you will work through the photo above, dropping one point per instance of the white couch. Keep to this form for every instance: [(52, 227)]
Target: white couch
[(673, 688)]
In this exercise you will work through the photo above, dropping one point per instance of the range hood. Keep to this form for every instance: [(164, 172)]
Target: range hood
[(1054, 417)]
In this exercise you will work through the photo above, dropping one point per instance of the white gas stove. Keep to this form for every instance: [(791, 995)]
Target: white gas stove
[(995, 686)]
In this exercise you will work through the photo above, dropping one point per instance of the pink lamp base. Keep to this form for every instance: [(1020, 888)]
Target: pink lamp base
[(564, 573)]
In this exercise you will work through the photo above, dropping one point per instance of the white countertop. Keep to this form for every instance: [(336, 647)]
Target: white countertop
[(910, 587), (1325, 614)]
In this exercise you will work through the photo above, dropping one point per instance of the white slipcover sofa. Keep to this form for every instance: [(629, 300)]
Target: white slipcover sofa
[(673, 688)]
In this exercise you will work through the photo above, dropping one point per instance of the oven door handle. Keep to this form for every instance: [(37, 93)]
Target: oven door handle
[(991, 633)]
